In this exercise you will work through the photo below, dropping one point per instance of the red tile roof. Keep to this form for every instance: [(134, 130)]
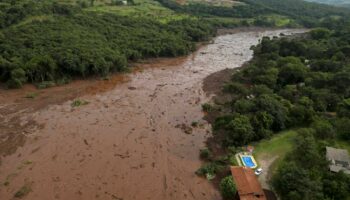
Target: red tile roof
[(247, 184)]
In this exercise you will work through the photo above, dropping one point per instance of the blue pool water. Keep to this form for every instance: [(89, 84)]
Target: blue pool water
[(248, 162)]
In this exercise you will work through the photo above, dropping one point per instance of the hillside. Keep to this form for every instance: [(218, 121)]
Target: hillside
[(84, 38), (341, 3)]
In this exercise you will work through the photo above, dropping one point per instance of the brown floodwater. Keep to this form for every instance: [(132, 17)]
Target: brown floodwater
[(133, 140)]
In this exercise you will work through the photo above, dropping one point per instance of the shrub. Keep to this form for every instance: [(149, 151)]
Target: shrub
[(78, 102), (45, 84), (205, 153), (194, 124), (13, 84), (63, 81), (343, 128), (23, 191), (344, 108), (207, 107), (31, 95), (240, 130), (320, 33), (233, 160), (209, 170), (18, 77), (227, 188), (206, 169), (323, 129)]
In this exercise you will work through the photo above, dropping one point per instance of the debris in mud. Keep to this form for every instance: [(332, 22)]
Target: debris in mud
[(35, 150), (78, 102), (194, 124), (31, 95), (121, 156), (115, 197), (132, 88), (23, 191), (185, 128), (10, 141), (56, 179)]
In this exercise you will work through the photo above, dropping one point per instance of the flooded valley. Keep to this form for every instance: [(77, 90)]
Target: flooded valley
[(132, 140)]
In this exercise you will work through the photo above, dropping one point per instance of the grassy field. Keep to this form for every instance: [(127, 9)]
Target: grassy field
[(141, 9), (281, 144), (276, 147), (270, 153), (224, 3), (152, 9), (279, 20)]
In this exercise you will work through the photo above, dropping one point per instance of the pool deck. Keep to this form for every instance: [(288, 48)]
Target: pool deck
[(240, 160)]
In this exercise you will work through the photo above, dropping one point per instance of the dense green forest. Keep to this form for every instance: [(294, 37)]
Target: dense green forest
[(298, 83), (72, 42), (49, 42)]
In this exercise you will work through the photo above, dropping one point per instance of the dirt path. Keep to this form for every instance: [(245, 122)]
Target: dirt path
[(128, 142), (265, 163)]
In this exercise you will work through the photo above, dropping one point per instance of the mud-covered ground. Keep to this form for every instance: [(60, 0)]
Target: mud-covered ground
[(133, 140)]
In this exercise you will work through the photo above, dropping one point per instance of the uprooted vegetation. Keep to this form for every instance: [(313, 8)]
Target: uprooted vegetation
[(23, 191)]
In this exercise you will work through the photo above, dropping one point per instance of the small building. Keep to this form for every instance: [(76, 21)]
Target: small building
[(339, 160), (247, 184), (250, 149)]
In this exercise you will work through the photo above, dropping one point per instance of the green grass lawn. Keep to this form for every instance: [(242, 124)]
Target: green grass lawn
[(140, 5), (282, 143), (278, 20), (223, 3), (142, 9), (277, 146), (228, 20)]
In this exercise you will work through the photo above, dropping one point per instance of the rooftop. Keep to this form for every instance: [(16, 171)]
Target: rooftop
[(247, 184), (339, 158)]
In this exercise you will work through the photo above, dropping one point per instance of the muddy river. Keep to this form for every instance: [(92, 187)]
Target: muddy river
[(133, 140)]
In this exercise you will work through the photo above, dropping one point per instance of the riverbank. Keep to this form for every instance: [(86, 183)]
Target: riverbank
[(213, 86)]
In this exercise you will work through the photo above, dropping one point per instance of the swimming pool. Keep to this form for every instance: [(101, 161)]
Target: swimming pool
[(248, 161)]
